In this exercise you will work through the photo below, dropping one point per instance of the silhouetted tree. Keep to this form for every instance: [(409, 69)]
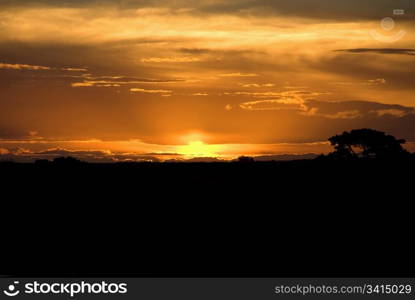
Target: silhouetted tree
[(367, 143), (246, 159)]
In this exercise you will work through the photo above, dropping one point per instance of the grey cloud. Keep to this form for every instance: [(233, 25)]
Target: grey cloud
[(123, 79), (380, 51), (79, 3), (397, 73), (363, 107), (322, 9), (10, 133)]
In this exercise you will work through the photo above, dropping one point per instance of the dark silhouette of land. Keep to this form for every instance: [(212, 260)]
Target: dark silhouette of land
[(366, 160), (320, 174), (343, 214)]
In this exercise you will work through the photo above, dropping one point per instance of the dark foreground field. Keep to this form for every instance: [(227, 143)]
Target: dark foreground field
[(319, 179), (299, 218)]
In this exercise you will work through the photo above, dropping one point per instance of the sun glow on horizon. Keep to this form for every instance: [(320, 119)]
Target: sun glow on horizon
[(199, 149)]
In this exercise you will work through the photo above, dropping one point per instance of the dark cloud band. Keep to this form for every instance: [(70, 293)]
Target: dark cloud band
[(401, 51), (321, 9)]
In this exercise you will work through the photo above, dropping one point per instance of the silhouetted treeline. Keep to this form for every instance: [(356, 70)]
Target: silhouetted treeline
[(365, 160), (319, 175)]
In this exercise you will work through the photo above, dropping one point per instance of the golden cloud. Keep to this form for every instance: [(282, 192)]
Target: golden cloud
[(138, 90), (22, 67), (170, 59), (239, 75)]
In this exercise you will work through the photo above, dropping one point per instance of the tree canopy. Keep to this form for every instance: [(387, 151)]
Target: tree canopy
[(367, 143)]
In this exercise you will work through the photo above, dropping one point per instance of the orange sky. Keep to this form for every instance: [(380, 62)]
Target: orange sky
[(131, 78)]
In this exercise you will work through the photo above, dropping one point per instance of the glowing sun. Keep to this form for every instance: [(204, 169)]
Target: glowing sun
[(198, 149)]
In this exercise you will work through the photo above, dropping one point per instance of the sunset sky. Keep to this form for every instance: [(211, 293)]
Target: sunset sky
[(157, 79)]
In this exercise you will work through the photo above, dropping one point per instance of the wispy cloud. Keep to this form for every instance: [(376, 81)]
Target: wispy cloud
[(369, 82), (257, 85), (170, 59), (280, 95), (378, 81), (37, 68), (138, 90), (273, 104), (254, 94), (75, 69), (82, 84), (392, 112), (89, 80), (348, 114), (22, 67), (288, 100), (239, 75)]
